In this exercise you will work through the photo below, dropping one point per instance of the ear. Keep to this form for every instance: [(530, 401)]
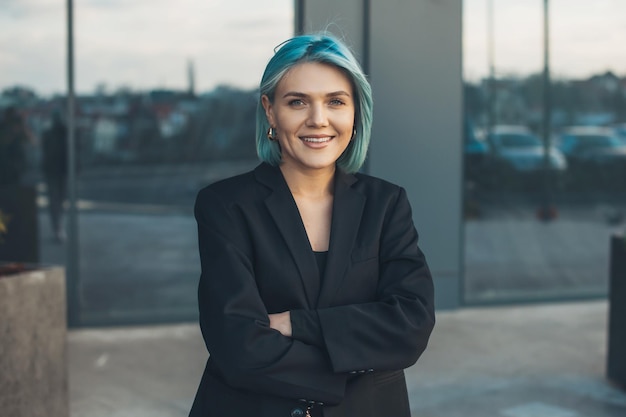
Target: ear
[(267, 106)]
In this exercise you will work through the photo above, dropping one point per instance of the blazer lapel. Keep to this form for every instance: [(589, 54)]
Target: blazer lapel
[(347, 212), (283, 209)]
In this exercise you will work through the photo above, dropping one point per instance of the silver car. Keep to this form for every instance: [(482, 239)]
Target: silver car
[(519, 148)]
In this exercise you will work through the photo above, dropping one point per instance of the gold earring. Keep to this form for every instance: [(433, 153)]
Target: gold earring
[(271, 134)]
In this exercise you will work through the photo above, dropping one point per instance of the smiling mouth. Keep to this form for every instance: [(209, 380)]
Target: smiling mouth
[(317, 140)]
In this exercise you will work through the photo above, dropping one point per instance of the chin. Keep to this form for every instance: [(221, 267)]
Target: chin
[(310, 165)]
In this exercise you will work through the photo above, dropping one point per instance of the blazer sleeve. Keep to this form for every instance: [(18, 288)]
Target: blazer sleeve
[(305, 326), (235, 323), (393, 331)]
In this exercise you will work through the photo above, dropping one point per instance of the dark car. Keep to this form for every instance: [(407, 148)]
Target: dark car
[(594, 154), (592, 145), (476, 153)]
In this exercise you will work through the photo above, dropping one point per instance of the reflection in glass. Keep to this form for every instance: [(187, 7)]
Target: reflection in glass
[(31, 41), (515, 248), (154, 133), (165, 103)]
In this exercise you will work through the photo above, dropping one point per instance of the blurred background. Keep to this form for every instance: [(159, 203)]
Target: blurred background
[(164, 104)]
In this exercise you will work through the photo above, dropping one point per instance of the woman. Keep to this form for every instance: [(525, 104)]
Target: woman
[(14, 136), (54, 168), (314, 295)]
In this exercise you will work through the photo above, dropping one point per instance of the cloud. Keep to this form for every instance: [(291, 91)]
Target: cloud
[(147, 43), (578, 29), (140, 43), (18, 9)]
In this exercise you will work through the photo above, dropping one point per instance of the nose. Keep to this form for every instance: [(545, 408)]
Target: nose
[(317, 116)]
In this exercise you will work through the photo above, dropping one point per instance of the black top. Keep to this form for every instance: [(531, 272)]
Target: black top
[(305, 324), (320, 258)]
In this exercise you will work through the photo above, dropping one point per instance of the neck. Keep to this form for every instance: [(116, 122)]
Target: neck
[(313, 183)]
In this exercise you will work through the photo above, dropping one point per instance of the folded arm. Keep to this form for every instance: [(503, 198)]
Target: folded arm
[(392, 331), (235, 323)]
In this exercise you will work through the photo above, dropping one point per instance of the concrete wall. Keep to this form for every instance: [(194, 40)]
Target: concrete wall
[(33, 353), (414, 60), (343, 18)]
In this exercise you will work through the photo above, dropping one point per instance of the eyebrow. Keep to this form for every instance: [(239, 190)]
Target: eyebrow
[(302, 95)]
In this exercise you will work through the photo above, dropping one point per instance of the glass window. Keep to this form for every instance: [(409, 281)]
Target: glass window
[(165, 104), (541, 204), (32, 164)]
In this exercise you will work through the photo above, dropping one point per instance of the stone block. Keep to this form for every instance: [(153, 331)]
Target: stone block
[(33, 344)]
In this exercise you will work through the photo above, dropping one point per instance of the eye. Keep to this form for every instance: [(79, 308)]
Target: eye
[(296, 102), (336, 102)]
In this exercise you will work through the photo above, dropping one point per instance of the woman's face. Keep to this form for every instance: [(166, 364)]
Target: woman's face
[(313, 116)]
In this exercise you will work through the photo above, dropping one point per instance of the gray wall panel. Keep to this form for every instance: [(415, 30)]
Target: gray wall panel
[(342, 18), (417, 80)]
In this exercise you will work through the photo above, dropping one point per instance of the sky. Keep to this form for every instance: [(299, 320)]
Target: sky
[(141, 43), (145, 44), (586, 37)]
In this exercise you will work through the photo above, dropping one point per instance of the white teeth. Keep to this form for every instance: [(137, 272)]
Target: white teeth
[(316, 140)]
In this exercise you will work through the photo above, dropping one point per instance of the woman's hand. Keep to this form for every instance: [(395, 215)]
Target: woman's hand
[(281, 322)]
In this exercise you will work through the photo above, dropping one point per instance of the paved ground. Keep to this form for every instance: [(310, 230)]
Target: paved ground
[(530, 361), (512, 257)]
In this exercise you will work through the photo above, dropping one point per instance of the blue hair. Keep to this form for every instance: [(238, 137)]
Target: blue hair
[(324, 49)]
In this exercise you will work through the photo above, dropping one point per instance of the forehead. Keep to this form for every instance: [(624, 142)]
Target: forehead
[(315, 77)]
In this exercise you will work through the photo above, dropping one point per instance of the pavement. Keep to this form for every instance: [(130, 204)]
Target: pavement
[(543, 360)]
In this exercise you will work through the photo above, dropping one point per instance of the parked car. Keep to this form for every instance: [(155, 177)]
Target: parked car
[(522, 151), (596, 155), (593, 145)]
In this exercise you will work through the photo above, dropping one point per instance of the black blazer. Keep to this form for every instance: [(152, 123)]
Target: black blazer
[(374, 307)]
